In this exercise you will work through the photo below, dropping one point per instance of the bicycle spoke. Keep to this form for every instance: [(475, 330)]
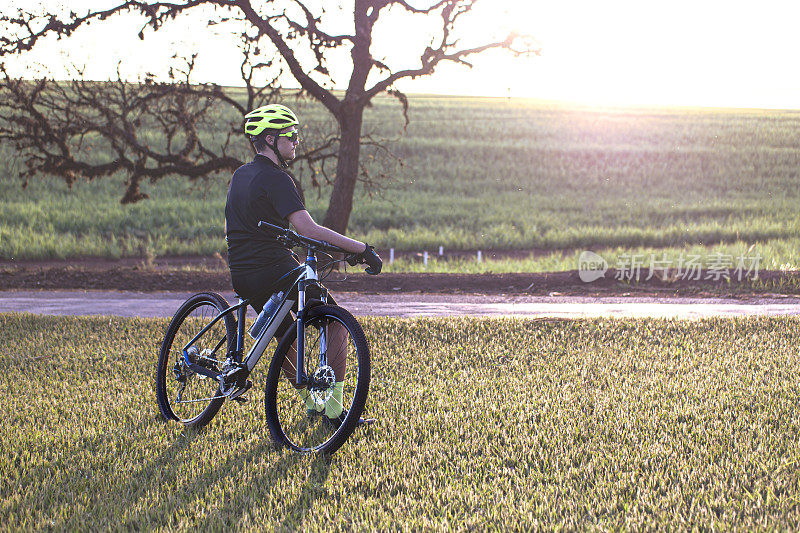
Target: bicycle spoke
[(333, 398), (292, 363), (219, 344)]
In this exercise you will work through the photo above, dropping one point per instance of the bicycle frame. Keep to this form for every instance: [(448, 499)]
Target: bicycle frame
[(306, 278)]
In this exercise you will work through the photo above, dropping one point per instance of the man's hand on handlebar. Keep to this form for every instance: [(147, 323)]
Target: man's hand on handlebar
[(370, 257), (373, 260), (290, 238)]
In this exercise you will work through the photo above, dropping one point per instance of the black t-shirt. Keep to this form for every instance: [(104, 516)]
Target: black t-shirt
[(259, 190)]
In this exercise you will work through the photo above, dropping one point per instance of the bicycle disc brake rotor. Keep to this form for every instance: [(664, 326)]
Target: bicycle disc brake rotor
[(323, 381)]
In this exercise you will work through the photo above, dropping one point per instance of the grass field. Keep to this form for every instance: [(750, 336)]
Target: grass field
[(482, 423), (532, 176)]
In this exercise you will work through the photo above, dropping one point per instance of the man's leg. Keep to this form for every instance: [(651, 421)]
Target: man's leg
[(337, 359), (290, 372), (336, 355)]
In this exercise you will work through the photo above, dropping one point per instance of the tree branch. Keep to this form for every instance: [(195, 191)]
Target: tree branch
[(416, 10), (446, 50), (312, 29), (156, 14), (308, 84), (143, 129)]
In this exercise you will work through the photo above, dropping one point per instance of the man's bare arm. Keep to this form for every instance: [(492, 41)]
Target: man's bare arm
[(305, 225)]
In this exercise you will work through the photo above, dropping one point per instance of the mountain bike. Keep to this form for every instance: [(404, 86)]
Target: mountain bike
[(319, 375)]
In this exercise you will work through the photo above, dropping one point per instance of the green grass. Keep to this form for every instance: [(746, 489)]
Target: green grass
[(761, 256), (535, 176), (482, 423)]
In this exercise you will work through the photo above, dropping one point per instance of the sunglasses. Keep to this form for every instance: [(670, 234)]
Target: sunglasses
[(291, 136)]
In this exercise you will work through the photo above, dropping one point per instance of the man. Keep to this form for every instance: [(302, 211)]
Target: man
[(264, 190)]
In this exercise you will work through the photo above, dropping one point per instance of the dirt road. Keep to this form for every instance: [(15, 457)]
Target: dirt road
[(164, 304)]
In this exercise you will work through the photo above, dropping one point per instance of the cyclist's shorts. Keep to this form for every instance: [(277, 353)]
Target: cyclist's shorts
[(258, 285)]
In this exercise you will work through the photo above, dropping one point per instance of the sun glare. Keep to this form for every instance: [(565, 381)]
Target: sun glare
[(614, 52), (619, 52)]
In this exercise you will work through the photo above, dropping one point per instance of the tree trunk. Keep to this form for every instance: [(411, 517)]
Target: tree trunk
[(132, 193), (344, 185)]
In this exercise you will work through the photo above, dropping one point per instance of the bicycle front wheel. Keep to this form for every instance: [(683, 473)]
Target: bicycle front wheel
[(320, 416), (183, 395)]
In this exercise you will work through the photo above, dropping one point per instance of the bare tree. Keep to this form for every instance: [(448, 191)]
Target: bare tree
[(293, 27), (147, 130)]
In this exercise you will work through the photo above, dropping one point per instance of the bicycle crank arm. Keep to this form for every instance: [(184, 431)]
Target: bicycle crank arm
[(201, 399)]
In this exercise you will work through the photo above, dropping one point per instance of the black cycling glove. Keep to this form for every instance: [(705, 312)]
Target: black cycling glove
[(373, 260), (368, 256)]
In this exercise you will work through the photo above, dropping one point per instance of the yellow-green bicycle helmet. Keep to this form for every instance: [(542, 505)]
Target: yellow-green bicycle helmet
[(269, 117)]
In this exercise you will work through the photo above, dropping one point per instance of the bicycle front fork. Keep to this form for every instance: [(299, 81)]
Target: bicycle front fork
[(300, 374), (302, 377)]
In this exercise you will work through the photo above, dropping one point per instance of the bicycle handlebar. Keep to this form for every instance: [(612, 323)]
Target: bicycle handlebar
[(287, 236)]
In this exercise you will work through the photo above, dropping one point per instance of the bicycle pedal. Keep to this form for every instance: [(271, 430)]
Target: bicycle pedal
[(241, 399)]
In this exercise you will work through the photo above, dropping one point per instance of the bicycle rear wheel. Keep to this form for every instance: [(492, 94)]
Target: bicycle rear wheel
[(183, 395), (321, 416)]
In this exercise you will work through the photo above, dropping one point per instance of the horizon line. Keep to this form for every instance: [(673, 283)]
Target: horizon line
[(544, 100)]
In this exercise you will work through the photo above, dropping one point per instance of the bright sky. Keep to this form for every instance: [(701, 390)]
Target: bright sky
[(678, 52)]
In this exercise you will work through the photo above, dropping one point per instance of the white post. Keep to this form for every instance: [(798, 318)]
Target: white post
[(479, 256), (441, 250), (391, 255), (425, 259)]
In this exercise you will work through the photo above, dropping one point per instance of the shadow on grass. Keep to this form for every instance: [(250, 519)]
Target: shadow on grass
[(215, 475), (182, 495)]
